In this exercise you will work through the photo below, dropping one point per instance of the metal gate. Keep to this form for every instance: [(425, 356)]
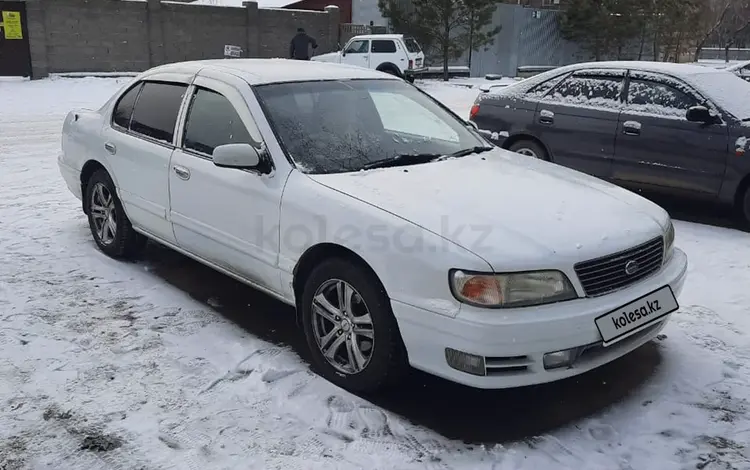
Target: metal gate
[(15, 54)]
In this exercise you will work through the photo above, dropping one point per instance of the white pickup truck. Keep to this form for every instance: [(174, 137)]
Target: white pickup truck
[(392, 53)]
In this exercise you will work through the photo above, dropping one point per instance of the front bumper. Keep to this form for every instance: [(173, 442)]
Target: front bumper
[(514, 342), (71, 176)]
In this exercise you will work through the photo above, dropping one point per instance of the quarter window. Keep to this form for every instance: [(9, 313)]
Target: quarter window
[(358, 47), (652, 97), (155, 112), (124, 108), (600, 92), (383, 46), (213, 121)]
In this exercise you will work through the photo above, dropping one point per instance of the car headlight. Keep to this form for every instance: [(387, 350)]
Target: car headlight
[(669, 241), (509, 290)]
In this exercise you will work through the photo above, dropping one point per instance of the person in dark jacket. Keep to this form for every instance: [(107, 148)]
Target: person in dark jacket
[(298, 47)]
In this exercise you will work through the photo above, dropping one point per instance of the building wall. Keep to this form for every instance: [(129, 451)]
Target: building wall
[(345, 7), (130, 36)]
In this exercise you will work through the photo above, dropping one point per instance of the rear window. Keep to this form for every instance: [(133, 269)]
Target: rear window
[(412, 45)]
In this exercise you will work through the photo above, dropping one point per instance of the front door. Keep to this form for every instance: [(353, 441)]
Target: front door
[(15, 55), (577, 120), (227, 216), (658, 147), (357, 53)]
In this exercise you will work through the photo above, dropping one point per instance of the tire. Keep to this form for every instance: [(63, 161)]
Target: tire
[(391, 71), (529, 148), (110, 227), (743, 209), (382, 357)]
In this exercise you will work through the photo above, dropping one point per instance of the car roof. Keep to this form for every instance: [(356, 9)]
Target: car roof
[(669, 68), (263, 71), (379, 36)]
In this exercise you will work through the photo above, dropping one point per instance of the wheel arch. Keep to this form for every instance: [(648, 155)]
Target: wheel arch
[(385, 66), (313, 256), (522, 136), (742, 187)]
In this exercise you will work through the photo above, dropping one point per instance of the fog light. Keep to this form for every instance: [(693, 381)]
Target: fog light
[(558, 359), (465, 362)]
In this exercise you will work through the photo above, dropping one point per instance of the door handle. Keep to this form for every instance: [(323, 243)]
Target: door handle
[(110, 147), (631, 128), (546, 116), (181, 172)]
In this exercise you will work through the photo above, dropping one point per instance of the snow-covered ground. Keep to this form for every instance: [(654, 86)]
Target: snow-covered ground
[(109, 365)]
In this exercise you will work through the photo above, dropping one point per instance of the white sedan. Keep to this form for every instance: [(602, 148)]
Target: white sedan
[(401, 236)]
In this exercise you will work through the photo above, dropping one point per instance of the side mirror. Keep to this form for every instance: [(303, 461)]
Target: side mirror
[(700, 114), (240, 156)]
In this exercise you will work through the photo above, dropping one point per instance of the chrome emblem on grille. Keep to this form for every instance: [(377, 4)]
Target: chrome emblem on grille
[(631, 267)]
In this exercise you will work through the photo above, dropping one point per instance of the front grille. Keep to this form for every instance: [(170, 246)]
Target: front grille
[(607, 274)]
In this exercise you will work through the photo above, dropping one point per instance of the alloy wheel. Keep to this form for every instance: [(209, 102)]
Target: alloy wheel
[(103, 214), (342, 326), (528, 152)]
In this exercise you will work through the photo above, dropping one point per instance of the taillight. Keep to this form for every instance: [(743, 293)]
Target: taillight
[(474, 111), (411, 64)]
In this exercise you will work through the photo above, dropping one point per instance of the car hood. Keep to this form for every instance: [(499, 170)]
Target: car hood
[(509, 209)]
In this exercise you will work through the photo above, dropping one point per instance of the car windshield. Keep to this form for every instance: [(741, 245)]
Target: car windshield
[(412, 45), (347, 125), (726, 90)]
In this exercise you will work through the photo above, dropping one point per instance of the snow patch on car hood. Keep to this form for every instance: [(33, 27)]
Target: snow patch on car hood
[(509, 209)]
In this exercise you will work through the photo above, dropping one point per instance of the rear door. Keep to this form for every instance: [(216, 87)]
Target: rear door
[(357, 52), (658, 147), (577, 120)]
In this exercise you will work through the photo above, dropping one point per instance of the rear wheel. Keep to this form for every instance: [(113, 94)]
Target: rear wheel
[(349, 327), (744, 209), (530, 149), (109, 225)]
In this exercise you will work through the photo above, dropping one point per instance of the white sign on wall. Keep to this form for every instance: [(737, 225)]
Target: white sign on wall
[(232, 51)]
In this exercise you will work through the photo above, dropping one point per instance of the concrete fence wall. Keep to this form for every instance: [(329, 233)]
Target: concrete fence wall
[(131, 36)]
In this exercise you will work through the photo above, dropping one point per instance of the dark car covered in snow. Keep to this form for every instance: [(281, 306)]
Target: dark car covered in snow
[(669, 128)]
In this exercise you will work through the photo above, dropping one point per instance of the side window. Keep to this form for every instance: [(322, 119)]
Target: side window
[(358, 47), (155, 112), (541, 89), (124, 108), (213, 121), (383, 46), (652, 97), (601, 92)]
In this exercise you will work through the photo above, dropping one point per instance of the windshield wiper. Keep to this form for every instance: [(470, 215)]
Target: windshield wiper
[(465, 152), (402, 160), (416, 158)]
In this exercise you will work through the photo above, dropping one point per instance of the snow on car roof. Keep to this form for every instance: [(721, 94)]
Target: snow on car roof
[(678, 70), (261, 71)]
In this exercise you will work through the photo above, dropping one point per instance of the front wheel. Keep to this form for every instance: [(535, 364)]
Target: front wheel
[(349, 327)]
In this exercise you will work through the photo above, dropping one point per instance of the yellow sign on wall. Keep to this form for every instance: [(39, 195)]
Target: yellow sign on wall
[(12, 25)]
